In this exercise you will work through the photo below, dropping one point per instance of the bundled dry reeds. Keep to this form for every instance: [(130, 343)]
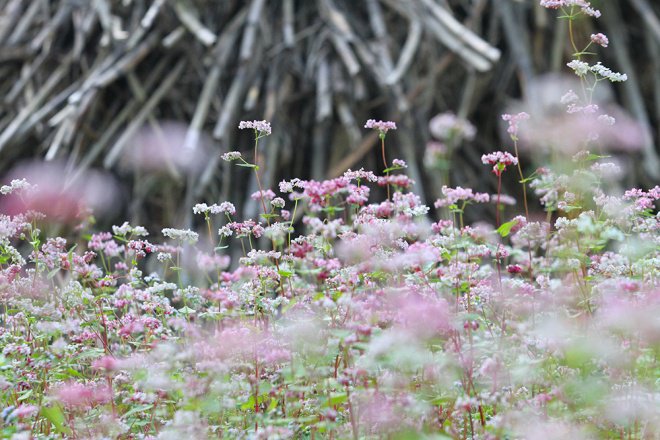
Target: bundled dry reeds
[(81, 79)]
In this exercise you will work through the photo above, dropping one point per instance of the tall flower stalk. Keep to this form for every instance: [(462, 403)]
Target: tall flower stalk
[(383, 127)]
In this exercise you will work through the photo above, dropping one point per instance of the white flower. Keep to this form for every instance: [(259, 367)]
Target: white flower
[(181, 235)]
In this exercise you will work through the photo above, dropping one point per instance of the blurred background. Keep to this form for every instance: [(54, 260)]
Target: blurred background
[(139, 98)]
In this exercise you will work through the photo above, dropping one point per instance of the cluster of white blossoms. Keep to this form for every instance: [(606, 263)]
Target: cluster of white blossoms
[(581, 69)]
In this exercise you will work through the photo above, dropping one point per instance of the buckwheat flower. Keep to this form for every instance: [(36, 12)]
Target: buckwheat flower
[(584, 5), (513, 121), (552, 4), (362, 174), (606, 73), (23, 411), (569, 97), (453, 195), (15, 185), (181, 235), (227, 208), (382, 126), (399, 163), (261, 127), (75, 394), (278, 202), (107, 363), (500, 160), (600, 39), (200, 208), (231, 155), (606, 120), (505, 199), (267, 194), (590, 11), (163, 257), (579, 67), (225, 231), (502, 157), (607, 169), (449, 127), (287, 186), (126, 229)]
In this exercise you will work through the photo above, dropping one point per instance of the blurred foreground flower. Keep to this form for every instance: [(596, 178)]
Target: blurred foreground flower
[(170, 147), (45, 188), (570, 125)]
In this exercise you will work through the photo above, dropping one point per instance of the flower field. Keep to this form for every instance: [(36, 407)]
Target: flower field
[(355, 311)]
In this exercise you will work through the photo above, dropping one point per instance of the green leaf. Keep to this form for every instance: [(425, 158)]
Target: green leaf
[(25, 395), (592, 157), (55, 415), (73, 372), (137, 409), (52, 273), (505, 228), (392, 168), (336, 399), (272, 405), (248, 404)]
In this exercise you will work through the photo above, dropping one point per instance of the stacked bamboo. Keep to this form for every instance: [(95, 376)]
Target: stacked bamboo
[(81, 79)]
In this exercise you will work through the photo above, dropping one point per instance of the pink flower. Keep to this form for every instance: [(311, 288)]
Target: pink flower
[(453, 195), (382, 126), (58, 195), (107, 363), (500, 160), (267, 194), (584, 5), (24, 411), (74, 394), (513, 268), (513, 121), (600, 39), (449, 127)]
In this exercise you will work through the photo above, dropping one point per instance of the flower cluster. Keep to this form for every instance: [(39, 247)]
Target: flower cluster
[(454, 195), (448, 127), (182, 235), (382, 126), (585, 6), (600, 39), (262, 128), (500, 160), (350, 318), (231, 156), (513, 121), (581, 68)]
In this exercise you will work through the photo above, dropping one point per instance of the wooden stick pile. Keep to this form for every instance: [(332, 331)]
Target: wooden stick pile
[(80, 79)]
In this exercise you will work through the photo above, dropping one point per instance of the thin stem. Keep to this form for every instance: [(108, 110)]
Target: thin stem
[(497, 207), (263, 205), (387, 173)]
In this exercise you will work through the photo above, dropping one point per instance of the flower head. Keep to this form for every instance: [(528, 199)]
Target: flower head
[(584, 6), (513, 121), (181, 235), (500, 160), (449, 127), (261, 127), (231, 155), (600, 39), (382, 126)]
